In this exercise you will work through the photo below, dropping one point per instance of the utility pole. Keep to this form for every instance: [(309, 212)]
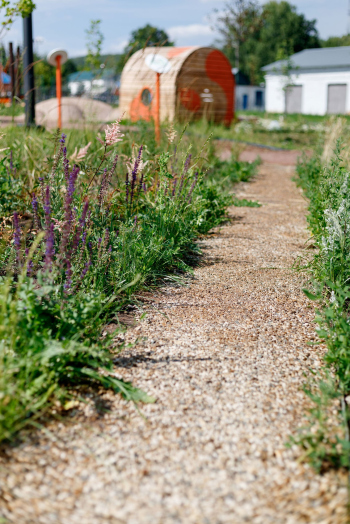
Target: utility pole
[(28, 71), (12, 72)]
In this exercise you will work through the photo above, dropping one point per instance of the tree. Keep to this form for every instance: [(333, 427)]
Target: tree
[(239, 22), (147, 36), (268, 30), (336, 41), (13, 9), (94, 43)]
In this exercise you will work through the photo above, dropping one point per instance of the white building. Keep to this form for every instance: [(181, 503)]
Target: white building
[(251, 98), (318, 83)]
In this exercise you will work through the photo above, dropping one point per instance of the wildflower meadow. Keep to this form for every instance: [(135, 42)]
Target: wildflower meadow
[(84, 226)]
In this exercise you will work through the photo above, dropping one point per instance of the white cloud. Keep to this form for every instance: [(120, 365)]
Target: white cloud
[(117, 48), (189, 31)]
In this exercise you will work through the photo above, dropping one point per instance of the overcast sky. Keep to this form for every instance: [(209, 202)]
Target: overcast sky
[(61, 23)]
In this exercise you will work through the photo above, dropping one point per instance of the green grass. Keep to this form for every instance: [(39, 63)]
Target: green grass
[(325, 438)]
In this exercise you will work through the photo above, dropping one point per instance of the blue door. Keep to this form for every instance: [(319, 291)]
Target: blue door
[(245, 101)]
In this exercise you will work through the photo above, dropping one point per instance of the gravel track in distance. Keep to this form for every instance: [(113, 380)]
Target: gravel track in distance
[(225, 356)]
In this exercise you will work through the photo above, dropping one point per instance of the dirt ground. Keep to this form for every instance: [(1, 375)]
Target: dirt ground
[(224, 356)]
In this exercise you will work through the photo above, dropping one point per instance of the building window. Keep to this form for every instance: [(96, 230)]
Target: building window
[(146, 97), (258, 98)]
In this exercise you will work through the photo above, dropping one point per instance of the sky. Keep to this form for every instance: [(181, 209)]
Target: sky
[(62, 23)]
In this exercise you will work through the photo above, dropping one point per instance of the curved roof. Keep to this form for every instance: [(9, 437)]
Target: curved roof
[(176, 55), (323, 58)]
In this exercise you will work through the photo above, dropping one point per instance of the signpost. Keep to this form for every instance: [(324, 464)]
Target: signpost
[(57, 58), (160, 65)]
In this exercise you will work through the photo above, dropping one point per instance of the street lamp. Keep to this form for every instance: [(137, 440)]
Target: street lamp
[(57, 58), (160, 65)]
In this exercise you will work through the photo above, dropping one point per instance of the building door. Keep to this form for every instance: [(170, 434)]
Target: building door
[(245, 101), (336, 99), (259, 99), (293, 99)]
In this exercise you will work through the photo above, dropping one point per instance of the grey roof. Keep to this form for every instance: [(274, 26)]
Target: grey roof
[(323, 58)]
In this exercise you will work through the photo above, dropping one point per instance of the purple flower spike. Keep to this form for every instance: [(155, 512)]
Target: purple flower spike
[(127, 188), (17, 239), (50, 248), (65, 164), (63, 138), (35, 212), (68, 283), (192, 187)]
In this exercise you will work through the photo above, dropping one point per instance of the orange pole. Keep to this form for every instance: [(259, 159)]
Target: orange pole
[(59, 89), (157, 128)]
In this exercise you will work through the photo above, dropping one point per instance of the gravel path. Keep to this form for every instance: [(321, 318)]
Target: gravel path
[(225, 357)]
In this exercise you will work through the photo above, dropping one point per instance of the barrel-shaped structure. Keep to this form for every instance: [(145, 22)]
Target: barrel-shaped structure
[(199, 84)]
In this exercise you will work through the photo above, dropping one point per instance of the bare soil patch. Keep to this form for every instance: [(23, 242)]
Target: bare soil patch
[(225, 357)]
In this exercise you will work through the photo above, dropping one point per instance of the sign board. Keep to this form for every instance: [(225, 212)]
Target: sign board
[(51, 57), (158, 63)]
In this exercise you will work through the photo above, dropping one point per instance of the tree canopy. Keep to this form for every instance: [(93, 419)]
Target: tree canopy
[(147, 36), (255, 35), (336, 41)]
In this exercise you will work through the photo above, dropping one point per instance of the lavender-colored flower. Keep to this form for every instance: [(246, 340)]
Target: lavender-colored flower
[(50, 247), (68, 213), (81, 225), (103, 188), (144, 187), (187, 164), (135, 220), (68, 283), (35, 212), (127, 188), (47, 208), (65, 164), (17, 239), (141, 183), (192, 187), (42, 189), (134, 174), (63, 138)]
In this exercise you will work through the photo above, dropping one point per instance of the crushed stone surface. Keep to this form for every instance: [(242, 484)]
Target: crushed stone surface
[(225, 357)]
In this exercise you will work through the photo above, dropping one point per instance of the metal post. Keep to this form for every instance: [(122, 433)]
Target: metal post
[(18, 73), (157, 116), (59, 90), (28, 71), (12, 72)]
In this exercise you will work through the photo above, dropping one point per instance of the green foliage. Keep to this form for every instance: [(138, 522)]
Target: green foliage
[(260, 32), (147, 36), (336, 41), (326, 439), (136, 234), (94, 41)]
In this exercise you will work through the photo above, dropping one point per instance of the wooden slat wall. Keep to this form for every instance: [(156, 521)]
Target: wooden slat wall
[(188, 71)]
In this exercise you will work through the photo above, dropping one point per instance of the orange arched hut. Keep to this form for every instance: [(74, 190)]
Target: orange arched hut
[(199, 84)]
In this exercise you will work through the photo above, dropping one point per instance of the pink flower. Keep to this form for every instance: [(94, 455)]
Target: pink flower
[(113, 134), (79, 155)]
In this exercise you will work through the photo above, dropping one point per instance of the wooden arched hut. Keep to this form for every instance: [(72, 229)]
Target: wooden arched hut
[(199, 84)]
